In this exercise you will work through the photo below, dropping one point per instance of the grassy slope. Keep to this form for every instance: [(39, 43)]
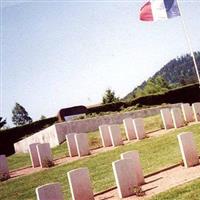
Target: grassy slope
[(188, 191), (155, 153), (22, 160)]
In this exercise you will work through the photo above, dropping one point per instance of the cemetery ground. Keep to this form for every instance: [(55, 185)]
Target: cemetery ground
[(187, 191), (155, 153), (21, 160)]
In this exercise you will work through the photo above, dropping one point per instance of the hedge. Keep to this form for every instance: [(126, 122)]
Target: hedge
[(186, 94), (9, 136)]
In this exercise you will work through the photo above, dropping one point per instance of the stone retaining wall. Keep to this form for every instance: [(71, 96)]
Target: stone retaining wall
[(55, 134)]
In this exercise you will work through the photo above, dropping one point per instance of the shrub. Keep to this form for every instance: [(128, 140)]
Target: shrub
[(9, 136)]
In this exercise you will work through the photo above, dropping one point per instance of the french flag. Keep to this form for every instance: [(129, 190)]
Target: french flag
[(155, 10)]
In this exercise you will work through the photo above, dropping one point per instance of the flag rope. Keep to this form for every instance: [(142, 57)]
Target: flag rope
[(189, 42)]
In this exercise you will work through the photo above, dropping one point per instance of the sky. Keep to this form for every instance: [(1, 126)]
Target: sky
[(57, 54)]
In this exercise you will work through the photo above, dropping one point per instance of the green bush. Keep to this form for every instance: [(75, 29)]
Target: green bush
[(186, 94), (9, 136)]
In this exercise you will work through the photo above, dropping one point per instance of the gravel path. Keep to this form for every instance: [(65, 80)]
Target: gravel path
[(158, 183)]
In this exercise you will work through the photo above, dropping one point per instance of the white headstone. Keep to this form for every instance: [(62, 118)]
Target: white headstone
[(115, 135), (196, 110), (34, 155), (105, 135), (167, 118), (82, 144), (125, 177), (51, 191), (187, 112), (138, 124), (137, 165), (188, 149), (45, 155), (177, 117), (80, 184), (71, 143), (4, 171), (129, 128)]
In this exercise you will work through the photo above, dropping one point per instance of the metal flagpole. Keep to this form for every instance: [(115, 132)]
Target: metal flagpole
[(189, 42)]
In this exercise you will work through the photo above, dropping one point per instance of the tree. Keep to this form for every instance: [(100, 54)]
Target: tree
[(150, 88), (139, 92), (2, 122), (153, 86), (109, 97), (20, 115), (161, 82), (178, 71)]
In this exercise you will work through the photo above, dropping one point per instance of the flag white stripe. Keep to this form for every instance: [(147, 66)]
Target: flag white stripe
[(158, 10)]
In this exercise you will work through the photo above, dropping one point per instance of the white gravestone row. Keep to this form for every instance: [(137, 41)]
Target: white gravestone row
[(78, 144), (40, 155), (193, 112), (134, 128), (176, 117), (110, 134), (127, 171), (80, 187)]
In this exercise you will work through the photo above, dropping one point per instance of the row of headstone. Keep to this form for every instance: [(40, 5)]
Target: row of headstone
[(172, 118), (78, 144), (41, 155), (4, 170), (80, 187), (127, 171), (134, 128), (110, 134), (176, 117)]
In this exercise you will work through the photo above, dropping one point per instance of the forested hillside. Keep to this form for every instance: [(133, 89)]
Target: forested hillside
[(177, 72)]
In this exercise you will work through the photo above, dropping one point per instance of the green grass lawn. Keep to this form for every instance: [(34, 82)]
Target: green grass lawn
[(188, 191), (22, 159), (155, 153)]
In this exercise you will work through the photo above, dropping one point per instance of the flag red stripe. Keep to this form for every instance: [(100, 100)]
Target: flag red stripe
[(146, 12)]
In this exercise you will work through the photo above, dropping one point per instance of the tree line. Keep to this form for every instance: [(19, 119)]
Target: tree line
[(19, 116), (178, 72)]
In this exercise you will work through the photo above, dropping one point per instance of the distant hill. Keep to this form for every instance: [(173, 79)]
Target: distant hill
[(177, 72)]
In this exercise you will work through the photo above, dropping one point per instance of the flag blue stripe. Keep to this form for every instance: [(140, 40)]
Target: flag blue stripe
[(171, 7)]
